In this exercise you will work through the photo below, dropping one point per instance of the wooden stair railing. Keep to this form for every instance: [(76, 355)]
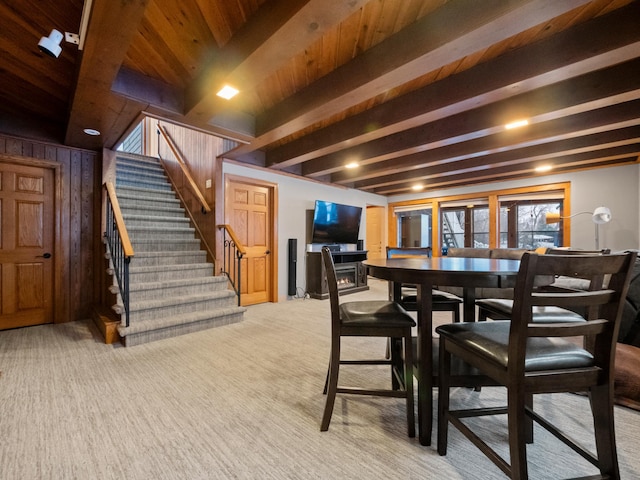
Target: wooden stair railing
[(119, 244), (232, 256), (185, 169)]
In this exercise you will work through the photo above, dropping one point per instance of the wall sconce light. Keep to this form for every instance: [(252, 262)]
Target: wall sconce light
[(599, 216), (51, 44)]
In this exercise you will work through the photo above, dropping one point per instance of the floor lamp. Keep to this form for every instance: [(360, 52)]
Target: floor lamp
[(599, 216)]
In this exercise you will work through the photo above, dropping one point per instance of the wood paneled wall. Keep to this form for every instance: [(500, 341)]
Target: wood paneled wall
[(78, 236), (199, 151)]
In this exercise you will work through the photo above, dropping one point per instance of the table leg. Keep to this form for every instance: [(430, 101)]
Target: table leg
[(469, 304), (425, 365)]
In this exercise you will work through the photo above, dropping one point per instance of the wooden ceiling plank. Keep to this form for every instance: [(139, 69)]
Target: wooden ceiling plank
[(111, 28), (430, 41), (515, 72), (263, 45)]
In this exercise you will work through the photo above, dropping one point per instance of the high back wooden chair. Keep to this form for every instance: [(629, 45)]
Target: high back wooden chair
[(501, 308), (532, 358), (373, 318)]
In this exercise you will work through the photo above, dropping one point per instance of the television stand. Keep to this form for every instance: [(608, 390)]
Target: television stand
[(351, 274)]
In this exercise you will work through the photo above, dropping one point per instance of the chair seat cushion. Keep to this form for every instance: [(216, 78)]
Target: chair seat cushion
[(491, 339), (502, 308), (375, 313)]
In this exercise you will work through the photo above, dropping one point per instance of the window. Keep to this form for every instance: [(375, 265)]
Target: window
[(511, 218), (523, 225), (414, 227), (465, 225)]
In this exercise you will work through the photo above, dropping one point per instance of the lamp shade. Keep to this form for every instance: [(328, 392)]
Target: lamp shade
[(551, 217), (601, 215)]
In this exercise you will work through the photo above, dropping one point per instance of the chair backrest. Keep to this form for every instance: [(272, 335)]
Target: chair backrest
[(469, 252), (573, 251), (595, 283), (408, 252), (601, 329), (332, 286)]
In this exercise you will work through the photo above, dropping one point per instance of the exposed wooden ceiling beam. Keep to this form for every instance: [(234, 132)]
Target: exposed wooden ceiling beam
[(503, 173), (605, 119), (551, 153), (588, 92), (424, 46), (600, 43), (111, 27)]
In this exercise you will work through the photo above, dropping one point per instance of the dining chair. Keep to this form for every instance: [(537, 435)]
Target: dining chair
[(501, 308), (533, 358), (371, 318)]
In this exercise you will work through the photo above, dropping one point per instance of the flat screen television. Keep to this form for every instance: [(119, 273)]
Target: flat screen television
[(334, 223)]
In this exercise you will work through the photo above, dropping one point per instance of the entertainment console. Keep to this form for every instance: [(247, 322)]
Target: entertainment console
[(352, 275)]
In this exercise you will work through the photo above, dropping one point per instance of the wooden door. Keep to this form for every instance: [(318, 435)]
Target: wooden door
[(26, 236), (248, 209), (374, 219)]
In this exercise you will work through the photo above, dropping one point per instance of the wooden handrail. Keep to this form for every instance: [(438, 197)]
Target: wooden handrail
[(234, 238), (185, 169), (117, 215)]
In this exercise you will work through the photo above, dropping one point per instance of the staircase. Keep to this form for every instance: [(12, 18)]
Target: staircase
[(172, 287)]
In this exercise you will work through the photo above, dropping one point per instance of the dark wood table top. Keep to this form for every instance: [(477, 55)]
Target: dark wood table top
[(452, 271)]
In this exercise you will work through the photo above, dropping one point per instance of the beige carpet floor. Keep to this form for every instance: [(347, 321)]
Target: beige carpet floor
[(242, 401)]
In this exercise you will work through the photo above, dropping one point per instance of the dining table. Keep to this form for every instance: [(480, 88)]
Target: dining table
[(427, 273)]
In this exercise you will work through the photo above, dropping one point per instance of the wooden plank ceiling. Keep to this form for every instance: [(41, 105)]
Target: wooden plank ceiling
[(417, 92)]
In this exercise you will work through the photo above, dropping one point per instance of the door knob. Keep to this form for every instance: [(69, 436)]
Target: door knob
[(45, 255), (267, 252)]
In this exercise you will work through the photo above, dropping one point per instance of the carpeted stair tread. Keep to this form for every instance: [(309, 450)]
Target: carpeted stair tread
[(181, 300), (143, 192), (167, 322), (148, 184), (212, 281), (168, 232), (151, 210), (134, 269), (154, 218)]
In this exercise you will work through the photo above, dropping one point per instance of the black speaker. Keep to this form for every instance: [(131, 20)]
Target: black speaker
[(360, 245), (292, 264)]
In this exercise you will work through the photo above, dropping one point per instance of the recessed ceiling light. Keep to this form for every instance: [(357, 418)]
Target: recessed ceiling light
[(91, 131), (543, 168), (227, 92), (516, 124), (352, 165), (417, 188)]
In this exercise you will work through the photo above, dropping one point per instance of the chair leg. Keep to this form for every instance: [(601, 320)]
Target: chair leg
[(326, 380), (408, 384), (334, 367), (528, 420), (482, 315), (395, 355), (456, 314), (444, 369), (603, 421), (517, 434)]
